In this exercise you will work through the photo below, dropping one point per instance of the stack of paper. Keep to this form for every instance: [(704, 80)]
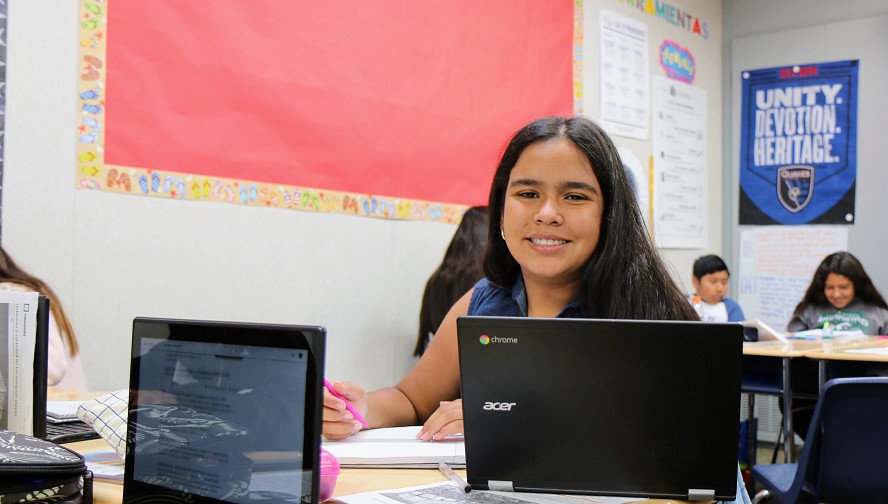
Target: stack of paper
[(62, 411), (396, 447)]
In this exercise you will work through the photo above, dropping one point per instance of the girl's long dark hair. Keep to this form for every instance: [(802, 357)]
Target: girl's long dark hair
[(625, 278), (458, 272), (845, 264), (11, 272)]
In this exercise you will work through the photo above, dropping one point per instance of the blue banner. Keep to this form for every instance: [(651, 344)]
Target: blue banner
[(798, 144)]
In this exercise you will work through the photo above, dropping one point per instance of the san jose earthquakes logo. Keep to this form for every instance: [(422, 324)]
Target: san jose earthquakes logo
[(795, 186)]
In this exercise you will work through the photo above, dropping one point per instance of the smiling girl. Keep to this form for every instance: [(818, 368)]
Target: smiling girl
[(565, 239), (841, 294)]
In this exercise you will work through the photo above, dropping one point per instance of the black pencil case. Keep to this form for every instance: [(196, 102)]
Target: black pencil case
[(34, 470)]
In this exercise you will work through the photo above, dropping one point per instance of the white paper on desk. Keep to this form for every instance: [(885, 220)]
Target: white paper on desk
[(438, 493), (396, 447), (871, 351), (818, 333), (62, 411)]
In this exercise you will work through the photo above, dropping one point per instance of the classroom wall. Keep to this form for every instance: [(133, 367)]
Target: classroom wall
[(806, 31), (113, 257), (708, 59)]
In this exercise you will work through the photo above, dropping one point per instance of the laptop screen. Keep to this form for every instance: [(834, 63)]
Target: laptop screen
[(603, 407), (224, 412)]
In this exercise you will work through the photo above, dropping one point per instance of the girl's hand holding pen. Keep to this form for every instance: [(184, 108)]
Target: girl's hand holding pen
[(339, 422)]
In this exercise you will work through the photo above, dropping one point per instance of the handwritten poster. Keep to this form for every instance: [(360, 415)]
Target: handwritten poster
[(625, 77), (680, 180), (776, 267), (798, 144)]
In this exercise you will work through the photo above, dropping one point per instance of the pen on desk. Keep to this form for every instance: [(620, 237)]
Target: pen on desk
[(454, 477), (804, 338), (348, 405)]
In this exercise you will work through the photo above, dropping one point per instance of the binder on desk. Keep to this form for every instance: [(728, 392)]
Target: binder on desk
[(396, 447)]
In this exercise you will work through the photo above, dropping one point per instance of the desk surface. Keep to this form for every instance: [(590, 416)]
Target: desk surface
[(841, 353), (807, 348), (818, 349), (350, 481)]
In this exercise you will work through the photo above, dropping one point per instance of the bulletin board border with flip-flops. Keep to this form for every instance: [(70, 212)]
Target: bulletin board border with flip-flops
[(93, 173)]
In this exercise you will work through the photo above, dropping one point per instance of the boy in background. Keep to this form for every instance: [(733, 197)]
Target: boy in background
[(710, 279)]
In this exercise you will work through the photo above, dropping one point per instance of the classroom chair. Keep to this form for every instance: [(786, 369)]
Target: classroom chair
[(759, 379), (845, 456)]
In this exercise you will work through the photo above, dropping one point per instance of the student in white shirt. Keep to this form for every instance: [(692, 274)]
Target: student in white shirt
[(710, 279)]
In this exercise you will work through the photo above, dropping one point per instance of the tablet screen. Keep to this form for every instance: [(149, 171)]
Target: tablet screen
[(223, 412)]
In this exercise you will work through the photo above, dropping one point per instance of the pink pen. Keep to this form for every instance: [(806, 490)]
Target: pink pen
[(348, 405)]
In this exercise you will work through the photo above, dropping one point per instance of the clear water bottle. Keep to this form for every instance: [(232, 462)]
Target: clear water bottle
[(827, 337)]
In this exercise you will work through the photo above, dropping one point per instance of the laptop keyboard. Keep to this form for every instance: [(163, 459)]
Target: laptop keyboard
[(69, 432)]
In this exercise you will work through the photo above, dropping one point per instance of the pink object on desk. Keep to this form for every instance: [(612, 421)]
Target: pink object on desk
[(329, 471)]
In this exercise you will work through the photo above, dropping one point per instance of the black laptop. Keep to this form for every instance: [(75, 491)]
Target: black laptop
[(46, 427), (601, 407), (224, 412)]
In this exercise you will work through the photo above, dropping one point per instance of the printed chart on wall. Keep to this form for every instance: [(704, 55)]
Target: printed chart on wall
[(680, 182), (798, 144), (625, 75), (384, 108), (776, 266)]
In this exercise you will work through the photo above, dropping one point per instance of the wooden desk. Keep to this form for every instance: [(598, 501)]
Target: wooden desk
[(801, 348), (785, 352), (350, 481), (827, 354)]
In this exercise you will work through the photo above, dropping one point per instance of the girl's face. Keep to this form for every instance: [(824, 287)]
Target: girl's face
[(552, 214), (839, 290)]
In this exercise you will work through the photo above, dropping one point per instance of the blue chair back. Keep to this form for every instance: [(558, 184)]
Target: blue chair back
[(845, 457)]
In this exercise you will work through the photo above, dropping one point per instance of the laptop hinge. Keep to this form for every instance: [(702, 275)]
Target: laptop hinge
[(500, 486), (701, 494)]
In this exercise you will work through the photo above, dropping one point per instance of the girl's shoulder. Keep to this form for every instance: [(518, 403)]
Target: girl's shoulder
[(489, 298)]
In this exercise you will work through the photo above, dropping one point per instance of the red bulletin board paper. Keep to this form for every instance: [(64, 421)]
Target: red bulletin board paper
[(402, 98)]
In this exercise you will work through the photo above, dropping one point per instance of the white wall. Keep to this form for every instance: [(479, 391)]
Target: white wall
[(113, 257)]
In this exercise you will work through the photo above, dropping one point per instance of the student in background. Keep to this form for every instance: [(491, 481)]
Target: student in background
[(565, 239), (457, 273), (710, 279), (842, 295), (65, 370)]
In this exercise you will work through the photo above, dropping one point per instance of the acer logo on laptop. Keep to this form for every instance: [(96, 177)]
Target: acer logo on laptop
[(498, 406)]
